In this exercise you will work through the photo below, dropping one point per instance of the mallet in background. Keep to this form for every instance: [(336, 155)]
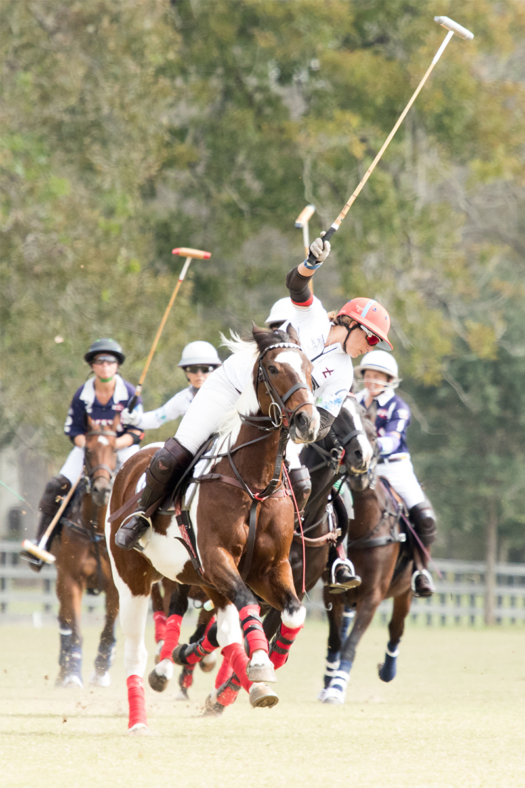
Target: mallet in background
[(39, 550), (452, 28), (190, 254), (302, 224)]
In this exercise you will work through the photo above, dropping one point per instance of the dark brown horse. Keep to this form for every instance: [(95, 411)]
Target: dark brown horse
[(243, 519), (82, 560), (384, 559)]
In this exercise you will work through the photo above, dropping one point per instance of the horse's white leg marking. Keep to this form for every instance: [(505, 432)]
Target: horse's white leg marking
[(228, 626), (165, 668), (133, 615), (294, 620), (260, 659)]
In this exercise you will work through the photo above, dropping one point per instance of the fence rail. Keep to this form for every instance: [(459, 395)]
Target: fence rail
[(460, 598)]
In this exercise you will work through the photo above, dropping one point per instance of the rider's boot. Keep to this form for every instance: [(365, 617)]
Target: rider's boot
[(342, 571), (56, 490), (301, 486), (422, 518), (165, 469)]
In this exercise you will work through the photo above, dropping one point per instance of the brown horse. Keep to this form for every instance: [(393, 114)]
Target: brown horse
[(384, 559), (243, 519), (82, 560)]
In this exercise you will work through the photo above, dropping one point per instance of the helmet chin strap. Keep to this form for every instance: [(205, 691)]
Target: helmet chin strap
[(349, 330)]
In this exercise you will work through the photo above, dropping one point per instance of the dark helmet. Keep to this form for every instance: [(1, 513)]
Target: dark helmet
[(105, 346)]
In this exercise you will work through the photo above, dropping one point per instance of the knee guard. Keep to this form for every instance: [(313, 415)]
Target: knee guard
[(423, 519), (166, 466), (301, 486), (56, 490)]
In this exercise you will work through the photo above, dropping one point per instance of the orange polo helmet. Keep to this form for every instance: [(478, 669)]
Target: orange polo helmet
[(371, 314)]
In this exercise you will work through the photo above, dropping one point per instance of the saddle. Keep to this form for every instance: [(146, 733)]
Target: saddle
[(399, 527)]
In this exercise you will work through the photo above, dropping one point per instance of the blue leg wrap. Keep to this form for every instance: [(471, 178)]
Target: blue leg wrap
[(387, 671), (348, 616), (332, 663)]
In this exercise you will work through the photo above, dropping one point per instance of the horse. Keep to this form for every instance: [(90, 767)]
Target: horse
[(235, 538), (346, 449), (82, 559), (384, 558)]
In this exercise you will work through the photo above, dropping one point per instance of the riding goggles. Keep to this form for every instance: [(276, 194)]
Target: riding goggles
[(371, 338), (105, 358), (204, 368)]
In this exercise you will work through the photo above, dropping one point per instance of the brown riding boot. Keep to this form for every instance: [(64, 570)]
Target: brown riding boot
[(342, 571), (166, 468), (422, 518), (301, 486), (56, 490)]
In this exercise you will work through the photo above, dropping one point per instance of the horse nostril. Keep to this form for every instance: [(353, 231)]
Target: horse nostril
[(302, 420), (359, 454)]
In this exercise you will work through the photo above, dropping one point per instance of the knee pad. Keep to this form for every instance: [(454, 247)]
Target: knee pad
[(56, 489), (301, 482), (166, 463), (423, 518)]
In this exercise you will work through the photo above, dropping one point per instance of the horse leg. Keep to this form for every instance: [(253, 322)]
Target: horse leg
[(108, 642), (335, 694), (133, 616), (69, 592), (159, 618), (396, 627), (163, 671), (335, 638), (205, 621)]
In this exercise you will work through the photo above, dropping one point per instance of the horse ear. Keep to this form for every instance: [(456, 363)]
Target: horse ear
[(260, 335), (292, 333)]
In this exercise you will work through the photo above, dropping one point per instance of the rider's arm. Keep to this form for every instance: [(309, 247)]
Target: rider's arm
[(327, 419), (172, 409), (392, 431), (75, 426)]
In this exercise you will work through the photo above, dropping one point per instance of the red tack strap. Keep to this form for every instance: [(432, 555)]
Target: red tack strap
[(136, 701), (171, 639)]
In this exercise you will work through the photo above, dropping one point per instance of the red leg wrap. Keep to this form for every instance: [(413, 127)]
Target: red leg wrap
[(187, 676), (223, 674), (229, 692), (201, 650), (281, 648), (253, 629), (238, 659), (160, 625), (136, 701), (171, 637)]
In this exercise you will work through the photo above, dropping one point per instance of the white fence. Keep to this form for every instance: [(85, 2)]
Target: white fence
[(460, 596)]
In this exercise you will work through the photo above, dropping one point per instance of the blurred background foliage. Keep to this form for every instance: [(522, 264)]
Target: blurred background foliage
[(132, 126)]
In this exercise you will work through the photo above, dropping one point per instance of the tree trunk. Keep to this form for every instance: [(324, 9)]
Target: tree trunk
[(491, 547)]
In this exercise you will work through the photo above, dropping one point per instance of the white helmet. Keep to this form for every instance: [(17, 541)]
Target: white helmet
[(381, 361), (282, 310), (199, 353)]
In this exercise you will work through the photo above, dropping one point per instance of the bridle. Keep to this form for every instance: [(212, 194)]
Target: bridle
[(91, 472), (278, 414)]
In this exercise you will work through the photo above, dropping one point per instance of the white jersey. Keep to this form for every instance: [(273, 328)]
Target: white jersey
[(172, 409), (332, 373)]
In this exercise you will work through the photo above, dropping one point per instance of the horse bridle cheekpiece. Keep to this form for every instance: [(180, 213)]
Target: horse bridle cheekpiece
[(278, 413), (90, 471)]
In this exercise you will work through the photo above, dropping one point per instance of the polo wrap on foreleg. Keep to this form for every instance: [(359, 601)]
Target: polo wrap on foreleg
[(238, 659), (282, 645), (171, 638), (253, 629), (159, 619), (136, 701)]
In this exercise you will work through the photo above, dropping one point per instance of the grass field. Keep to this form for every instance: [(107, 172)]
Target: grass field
[(454, 716)]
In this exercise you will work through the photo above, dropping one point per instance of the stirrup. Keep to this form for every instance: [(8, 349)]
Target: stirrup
[(352, 582), (424, 573), (140, 528)]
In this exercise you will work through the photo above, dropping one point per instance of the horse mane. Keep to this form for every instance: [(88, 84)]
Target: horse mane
[(247, 403)]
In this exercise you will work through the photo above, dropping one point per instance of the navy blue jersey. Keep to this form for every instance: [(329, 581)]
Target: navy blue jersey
[(85, 404), (393, 415)]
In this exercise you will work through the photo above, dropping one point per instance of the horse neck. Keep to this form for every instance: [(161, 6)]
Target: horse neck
[(89, 513), (368, 510), (256, 463)]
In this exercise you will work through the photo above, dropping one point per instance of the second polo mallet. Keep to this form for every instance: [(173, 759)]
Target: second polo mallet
[(452, 27), (190, 254)]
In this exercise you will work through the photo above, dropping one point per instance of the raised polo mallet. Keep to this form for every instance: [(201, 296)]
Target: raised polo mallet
[(190, 254), (39, 550), (302, 224), (452, 28)]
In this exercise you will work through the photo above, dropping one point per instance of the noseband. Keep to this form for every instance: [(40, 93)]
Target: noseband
[(90, 472), (278, 414)]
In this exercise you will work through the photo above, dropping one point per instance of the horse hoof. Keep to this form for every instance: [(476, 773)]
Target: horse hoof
[(387, 670), (97, 680), (262, 697), (140, 729), (334, 697), (212, 708), (72, 680), (208, 663), (261, 673), (156, 682), (322, 695), (182, 694)]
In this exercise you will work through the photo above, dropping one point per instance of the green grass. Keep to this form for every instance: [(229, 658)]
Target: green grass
[(454, 716)]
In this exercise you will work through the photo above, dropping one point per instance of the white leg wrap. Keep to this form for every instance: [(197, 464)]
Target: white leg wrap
[(228, 626)]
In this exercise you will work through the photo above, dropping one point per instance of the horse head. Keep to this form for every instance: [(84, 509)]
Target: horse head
[(359, 443), (283, 383), (101, 459)]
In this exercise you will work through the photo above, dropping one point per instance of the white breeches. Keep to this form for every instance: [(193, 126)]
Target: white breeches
[(401, 476), (217, 397), (293, 451), (72, 468)]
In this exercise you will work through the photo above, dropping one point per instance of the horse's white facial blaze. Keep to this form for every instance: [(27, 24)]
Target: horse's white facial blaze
[(294, 620), (228, 626), (293, 358), (366, 447), (103, 440)]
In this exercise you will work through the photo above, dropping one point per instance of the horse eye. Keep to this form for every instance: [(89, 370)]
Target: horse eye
[(273, 369)]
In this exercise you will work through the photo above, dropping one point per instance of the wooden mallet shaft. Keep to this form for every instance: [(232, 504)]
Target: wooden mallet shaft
[(38, 550)]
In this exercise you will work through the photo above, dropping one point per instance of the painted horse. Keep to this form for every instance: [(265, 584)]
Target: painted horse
[(383, 556), (82, 561), (235, 538)]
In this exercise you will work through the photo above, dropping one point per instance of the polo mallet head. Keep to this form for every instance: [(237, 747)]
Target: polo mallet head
[(302, 224), (459, 30), (38, 552)]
